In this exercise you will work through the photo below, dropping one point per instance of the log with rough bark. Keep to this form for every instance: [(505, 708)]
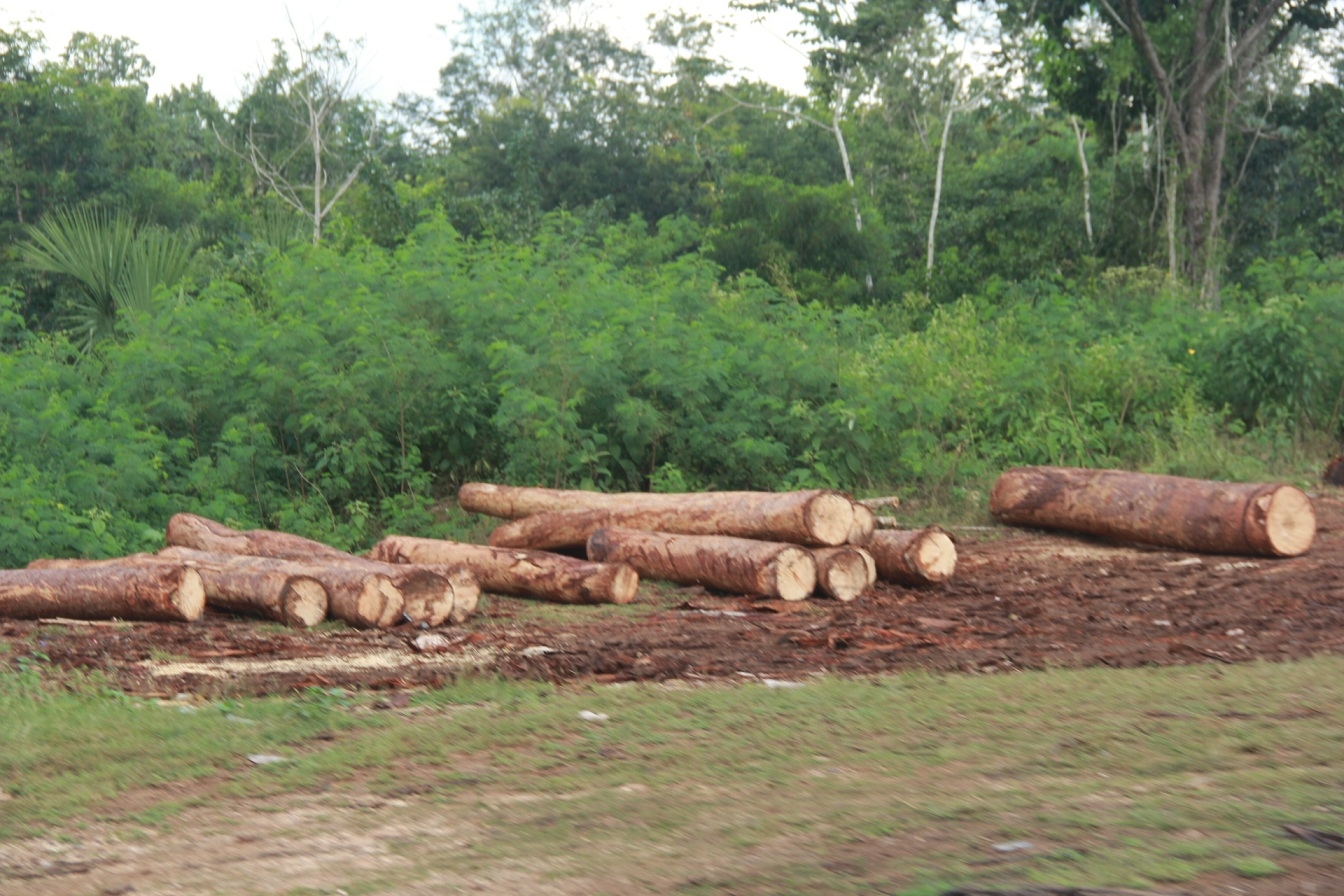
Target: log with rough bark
[(272, 589), (844, 572), (1168, 511), (865, 524), (913, 556), (537, 574), (735, 565), (426, 595), (815, 517), (140, 592)]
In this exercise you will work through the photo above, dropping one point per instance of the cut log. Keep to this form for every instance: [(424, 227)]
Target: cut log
[(427, 595), (735, 565), (844, 572), (275, 590), (865, 524), (816, 517), (1169, 511), (140, 592), (537, 574), (913, 556)]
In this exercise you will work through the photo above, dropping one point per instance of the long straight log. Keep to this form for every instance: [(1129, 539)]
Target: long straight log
[(147, 593), (815, 517), (845, 572), (735, 565), (1169, 511), (913, 556), (427, 595), (271, 589), (537, 574)]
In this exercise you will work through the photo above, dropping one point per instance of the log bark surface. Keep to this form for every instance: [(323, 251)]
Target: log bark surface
[(140, 592), (913, 556), (1256, 519), (845, 572), (735, 565), (536, 574), (191, 531), (816, 517)]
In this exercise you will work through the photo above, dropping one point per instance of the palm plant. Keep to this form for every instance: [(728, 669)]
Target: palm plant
[(115, 264)]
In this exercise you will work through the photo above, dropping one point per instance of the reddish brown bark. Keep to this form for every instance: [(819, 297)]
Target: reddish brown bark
[(191, 531), (1169, 511), (815, 517), (845, 572), (135, 591), (736, 565), (552, 577), (913, 556)]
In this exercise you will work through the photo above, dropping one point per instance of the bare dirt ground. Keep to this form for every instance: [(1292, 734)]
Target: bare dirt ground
[(1020, 600)]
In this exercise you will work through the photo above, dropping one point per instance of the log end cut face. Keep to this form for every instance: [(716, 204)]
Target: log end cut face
[(1289, 521), (190, 595), (305, 603), (937, 556), (795, 574), (830, 518), (624, 584), (844, 574)]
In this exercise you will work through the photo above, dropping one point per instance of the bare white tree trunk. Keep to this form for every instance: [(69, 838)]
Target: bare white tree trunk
[(1080, 133), (938, 183)]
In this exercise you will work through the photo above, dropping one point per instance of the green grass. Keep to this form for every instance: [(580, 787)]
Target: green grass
[(1136, 778)]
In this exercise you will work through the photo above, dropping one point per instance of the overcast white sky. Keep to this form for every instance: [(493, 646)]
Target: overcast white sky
[(223, 42)]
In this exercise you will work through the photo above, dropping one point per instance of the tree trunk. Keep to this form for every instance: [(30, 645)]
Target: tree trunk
[(270, 589), (913, 556), (817, 517), (865, 524), (844, 572), (1168, 511), (735, 565), (426, 594), (552, 577), (141, 592)]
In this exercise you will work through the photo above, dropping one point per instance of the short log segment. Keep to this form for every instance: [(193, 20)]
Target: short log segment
[(913, 556), (149, 592), (815, 517), (270, 589), (735, 565), (1168, 511), (845, 572), (536, 574)]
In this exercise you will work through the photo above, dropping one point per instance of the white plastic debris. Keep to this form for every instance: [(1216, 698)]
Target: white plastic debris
[(590, 716), (431, 643), (265, 758), (779, 683), (1014, 846), (240, 720), (538, 650)]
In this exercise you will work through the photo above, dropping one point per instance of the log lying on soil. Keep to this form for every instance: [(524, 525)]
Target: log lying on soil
[(361, 590), (552, 577), (913, 556), (150, 592), (735, 565), (815, 517), (865, 524), (270, 589), (844, 572), (1168, 511)]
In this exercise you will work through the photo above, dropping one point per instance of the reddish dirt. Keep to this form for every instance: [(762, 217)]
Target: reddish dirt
[(1019, 600)]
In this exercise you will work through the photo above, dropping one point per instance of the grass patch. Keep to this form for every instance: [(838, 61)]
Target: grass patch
[(1136, 778)]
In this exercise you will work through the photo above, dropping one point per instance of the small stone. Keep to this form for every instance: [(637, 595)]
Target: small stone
[(589, 716)]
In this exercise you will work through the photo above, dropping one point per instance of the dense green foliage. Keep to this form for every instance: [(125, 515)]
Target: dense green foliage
[(650, 277)]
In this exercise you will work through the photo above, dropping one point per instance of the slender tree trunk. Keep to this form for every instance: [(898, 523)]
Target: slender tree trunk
[(1080, 134), (938, 185)]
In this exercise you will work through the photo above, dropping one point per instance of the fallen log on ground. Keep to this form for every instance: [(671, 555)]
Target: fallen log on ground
[(271, 589), (865, 524), (816, 517), (1169, 511), (426, 594), (844, 572), (538, 574), (138, 592), (735, 565), (913, 556)]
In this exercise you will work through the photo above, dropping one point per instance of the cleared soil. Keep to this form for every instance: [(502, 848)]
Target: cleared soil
[(1020, 600)]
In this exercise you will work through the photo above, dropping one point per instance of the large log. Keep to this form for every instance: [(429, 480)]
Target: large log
[(844, 572), (139, 592), (537, 574), (815, 517), (271, 589), (913, 556), (427, 595), (1169, 511), (735, 565)]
